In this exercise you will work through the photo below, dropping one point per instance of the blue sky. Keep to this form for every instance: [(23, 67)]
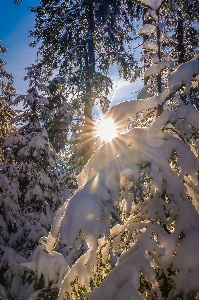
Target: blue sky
[(15, 23)]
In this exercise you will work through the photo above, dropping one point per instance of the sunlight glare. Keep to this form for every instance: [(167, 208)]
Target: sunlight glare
[(106, 130)]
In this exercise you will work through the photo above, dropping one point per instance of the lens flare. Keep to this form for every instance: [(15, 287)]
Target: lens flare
[(106, 130)]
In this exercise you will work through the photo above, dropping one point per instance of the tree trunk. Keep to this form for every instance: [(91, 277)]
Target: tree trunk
[(159, 76), (89, 70), (145, 37), (180, 46)]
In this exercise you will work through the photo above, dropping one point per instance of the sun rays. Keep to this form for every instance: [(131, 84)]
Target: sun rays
[(106, 130)]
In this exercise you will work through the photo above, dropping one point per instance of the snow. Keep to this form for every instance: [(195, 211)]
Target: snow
[(38, 142), (151, 13), (153, 4), (2, 293), (14, 139), (135, 213), (86, 209), (52, 266), (155, 59), (122, 282), (128, 109), (156, 68), (147, 29), (171, 39), (184, 116), (30, 194), (4, 183), (74, 219), (34, 295), (10, 260), (86, 213), (150, 45), (187, 277), (83, 266), (184, 74)]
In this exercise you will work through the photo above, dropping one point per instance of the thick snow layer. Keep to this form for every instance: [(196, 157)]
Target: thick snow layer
[(38, 142), (153, 4), (155, 59), (14, 139), (184, 74), (52, 266), (123, 281), (151, 13), (156, 68), (150, 45), (143, 174), (128, 109), (89, 209), (4, 183), (89, 220), (183, 118), (83, 266), (147, 29), (108, 179), (11, 261), (2, 293)]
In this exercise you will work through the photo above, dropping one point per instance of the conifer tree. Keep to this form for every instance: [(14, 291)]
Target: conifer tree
[(30, 189), (81, 39)]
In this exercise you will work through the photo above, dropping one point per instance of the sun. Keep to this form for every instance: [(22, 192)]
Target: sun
[(106, 130)]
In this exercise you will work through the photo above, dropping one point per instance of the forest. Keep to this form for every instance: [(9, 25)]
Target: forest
[(104, 207)]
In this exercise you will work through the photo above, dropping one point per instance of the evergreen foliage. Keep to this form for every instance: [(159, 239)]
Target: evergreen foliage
[(30, 191)]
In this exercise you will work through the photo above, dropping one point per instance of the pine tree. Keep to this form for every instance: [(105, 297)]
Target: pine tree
[(82, 39), (30, 190), (132, 229)]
